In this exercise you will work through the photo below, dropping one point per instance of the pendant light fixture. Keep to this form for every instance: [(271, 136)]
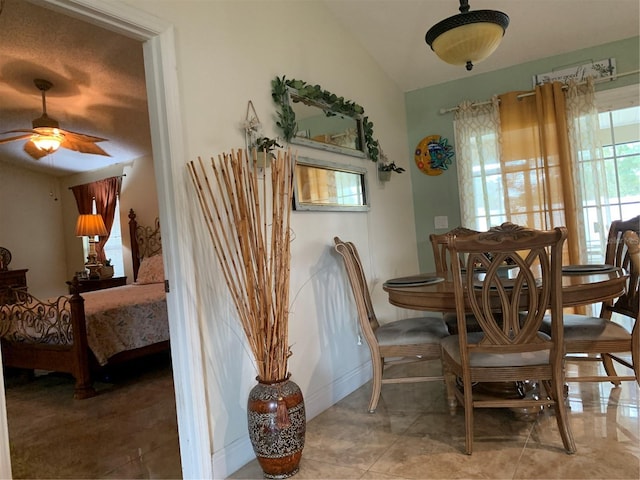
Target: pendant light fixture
[(46, 136), (467, 37)]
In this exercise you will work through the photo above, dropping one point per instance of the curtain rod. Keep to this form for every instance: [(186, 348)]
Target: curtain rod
[(112, 176), (532, 92)]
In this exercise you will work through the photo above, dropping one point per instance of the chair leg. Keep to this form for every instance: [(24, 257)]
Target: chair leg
[(378, 367), (635, 352), (468, 416), (450, 383), (609, 368), (562, 418)]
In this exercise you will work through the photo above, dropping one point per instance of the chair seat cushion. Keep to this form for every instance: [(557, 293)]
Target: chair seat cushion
[(412, 331), (451, 345), (583, 327), (451, 320)]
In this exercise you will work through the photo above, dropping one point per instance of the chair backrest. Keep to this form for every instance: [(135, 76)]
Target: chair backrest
[(629, 302), (439, 244), (498, 302), (617, 254), (357, 279), (632, 306)]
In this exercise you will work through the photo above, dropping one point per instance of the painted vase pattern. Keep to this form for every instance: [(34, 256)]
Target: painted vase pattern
[(277, 426)]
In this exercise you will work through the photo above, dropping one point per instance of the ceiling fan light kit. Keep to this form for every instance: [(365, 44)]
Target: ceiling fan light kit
[(467, 37), (47, 139)]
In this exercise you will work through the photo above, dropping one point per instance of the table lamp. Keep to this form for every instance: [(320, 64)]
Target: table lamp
[(90, 226)]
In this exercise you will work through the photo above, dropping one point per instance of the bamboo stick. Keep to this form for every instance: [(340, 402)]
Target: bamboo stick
[(250, 234)]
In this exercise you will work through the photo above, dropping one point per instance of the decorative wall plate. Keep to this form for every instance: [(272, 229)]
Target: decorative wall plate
[(5, 258), (433, 155)]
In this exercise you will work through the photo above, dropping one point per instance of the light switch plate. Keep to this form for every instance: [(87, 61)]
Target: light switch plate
[(441, 222)]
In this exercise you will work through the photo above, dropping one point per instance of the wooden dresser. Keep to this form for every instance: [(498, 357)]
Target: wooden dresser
[(13, 279)]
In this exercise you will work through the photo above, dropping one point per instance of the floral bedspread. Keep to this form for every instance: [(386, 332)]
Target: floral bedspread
[(118, 319), (124, 318)]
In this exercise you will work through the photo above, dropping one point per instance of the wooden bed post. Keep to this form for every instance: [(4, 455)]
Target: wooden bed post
[(135, 249), (80, 347)]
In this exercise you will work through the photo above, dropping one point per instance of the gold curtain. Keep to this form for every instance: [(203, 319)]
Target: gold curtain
[(537, 173)]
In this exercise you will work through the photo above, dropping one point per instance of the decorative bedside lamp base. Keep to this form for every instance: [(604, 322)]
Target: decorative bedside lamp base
[(94, 270), (91, 225)]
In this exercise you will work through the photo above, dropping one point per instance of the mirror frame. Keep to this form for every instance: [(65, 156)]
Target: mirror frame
[(284, 93), (300, 206)]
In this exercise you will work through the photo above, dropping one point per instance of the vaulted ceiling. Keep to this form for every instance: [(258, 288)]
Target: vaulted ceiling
[(98, 75), (393, 32)]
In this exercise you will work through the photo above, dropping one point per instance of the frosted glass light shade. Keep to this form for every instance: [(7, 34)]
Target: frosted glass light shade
[(467, 37), (468, 43), (47, 139)]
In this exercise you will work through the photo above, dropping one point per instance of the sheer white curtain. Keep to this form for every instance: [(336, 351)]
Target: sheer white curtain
[(592, 186), (477, 136)]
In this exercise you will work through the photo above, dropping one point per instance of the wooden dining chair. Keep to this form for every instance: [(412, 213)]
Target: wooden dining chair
[(586, 338), (509, 347), (442, 258), (602, 339), (401, 341)]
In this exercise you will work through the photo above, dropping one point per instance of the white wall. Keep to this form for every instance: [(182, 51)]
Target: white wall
[(31, 227), (227, 54)]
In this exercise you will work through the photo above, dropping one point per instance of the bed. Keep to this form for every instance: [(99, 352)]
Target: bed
[(79, 334)]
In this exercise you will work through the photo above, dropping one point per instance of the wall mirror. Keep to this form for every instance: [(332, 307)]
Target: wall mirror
[(320, 185), (317, 118)]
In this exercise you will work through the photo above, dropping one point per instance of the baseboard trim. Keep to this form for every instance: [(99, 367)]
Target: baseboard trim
[(240, 452)]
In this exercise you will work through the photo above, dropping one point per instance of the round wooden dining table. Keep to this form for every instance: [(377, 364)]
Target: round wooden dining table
[(577, 289)]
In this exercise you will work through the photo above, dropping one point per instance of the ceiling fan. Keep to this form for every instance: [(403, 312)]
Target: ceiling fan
[(46, 136)]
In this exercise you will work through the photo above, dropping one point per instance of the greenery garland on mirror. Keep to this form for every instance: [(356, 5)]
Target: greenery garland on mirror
[(335, 106)]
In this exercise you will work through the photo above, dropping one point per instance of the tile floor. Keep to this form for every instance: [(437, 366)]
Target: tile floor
[(130, 432), (413, 436)]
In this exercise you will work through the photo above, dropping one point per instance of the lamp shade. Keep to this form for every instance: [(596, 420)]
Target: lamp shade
[(90, 226), (467, 37)]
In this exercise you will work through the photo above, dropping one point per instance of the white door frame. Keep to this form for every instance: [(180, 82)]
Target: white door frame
[(167, 138)]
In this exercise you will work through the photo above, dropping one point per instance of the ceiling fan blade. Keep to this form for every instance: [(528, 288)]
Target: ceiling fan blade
[(20, 130), (82, 146), (12, 139), (33, 151), (82, 137)]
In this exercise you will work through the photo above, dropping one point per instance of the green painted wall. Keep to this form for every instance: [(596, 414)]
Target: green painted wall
[(438, 195)]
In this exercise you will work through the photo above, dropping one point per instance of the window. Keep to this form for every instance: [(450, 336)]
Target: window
[(619, 135), (113, 247)]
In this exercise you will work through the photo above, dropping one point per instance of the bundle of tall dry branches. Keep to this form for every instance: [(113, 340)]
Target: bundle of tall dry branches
[(248, 222)]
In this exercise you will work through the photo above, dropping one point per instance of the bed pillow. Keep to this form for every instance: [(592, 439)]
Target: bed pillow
[(151, 270)]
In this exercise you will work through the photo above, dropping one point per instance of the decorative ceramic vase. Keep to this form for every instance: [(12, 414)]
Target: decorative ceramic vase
[(277, 426), (384, 176), (263, 159), (106, 271)]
